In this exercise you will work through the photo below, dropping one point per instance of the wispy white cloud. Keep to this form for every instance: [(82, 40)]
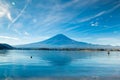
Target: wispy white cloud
[(94, 24), (106, 28), (16, 31), (26, 33), (92, 17), (7, 37), (71, 28), (99, 14), (18, 16), (5, 10), (108, 41), (114, 8), (9, 16), (56, 13), (16, 27), (101, 40), (68, 4), (75, 4)]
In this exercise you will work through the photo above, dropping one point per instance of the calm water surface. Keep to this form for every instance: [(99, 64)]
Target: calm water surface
[(18, 63)]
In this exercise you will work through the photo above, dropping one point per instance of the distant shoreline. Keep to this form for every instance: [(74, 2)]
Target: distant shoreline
[(68, 49), (65, 49)]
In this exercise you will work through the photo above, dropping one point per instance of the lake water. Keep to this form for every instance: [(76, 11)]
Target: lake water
[(19, 64)]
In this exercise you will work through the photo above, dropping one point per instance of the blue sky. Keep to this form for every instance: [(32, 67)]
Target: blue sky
[(93, 21)]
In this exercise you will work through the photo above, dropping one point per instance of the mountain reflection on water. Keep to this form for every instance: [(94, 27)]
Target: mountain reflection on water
[(18, 63), (59, 59)]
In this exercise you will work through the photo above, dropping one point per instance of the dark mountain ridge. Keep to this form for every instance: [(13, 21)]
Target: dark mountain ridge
[(5, 46)]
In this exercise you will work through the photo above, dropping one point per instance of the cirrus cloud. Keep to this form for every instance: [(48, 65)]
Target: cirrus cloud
[(7, 37), (5, 10)]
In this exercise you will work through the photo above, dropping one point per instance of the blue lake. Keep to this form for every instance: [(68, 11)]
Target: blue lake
[(19, 63)]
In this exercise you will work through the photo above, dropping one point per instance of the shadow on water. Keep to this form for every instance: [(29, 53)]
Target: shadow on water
[(58, 59), (3, 52)]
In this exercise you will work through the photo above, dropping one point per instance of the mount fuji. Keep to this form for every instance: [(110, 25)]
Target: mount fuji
[(62, 41)]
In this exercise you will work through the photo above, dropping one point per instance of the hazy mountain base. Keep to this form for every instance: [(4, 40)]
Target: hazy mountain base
[(62, 42)]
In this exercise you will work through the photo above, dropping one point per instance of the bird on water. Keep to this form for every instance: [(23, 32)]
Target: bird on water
[(108, 53)]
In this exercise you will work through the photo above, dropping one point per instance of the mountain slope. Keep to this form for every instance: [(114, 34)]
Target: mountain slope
[(61, 41), (5, 46)]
